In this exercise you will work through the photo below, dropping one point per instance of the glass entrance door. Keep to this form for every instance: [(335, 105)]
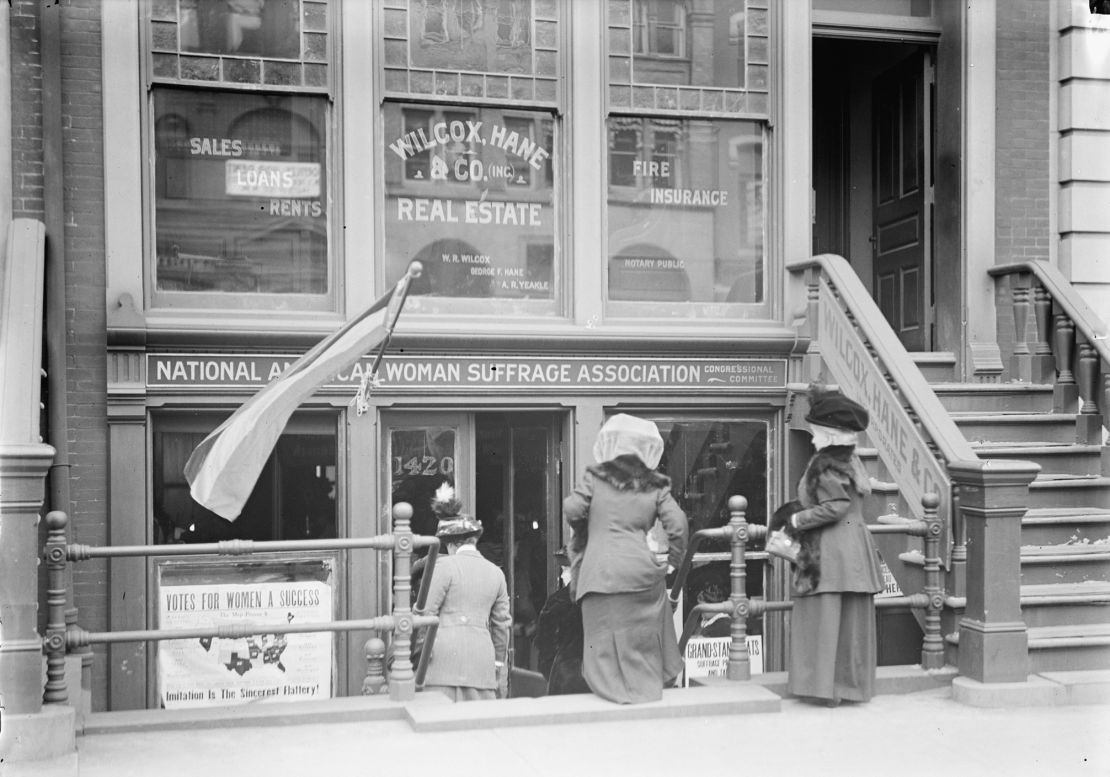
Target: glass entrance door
[(517, 490), (506, 468)]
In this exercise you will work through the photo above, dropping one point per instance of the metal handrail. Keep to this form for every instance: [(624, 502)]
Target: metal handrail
[(61, 636), (739, 607)]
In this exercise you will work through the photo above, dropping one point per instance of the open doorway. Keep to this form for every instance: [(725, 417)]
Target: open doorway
[(873, 109)]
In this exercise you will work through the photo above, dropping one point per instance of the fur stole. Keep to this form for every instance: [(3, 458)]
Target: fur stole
[(628, 473), (842, 460)]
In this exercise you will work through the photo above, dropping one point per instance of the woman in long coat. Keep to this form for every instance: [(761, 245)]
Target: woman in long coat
[(630, 651), (470, 596), (832, 627)]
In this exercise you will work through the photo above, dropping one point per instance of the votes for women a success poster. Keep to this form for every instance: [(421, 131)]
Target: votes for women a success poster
[(268, 666)]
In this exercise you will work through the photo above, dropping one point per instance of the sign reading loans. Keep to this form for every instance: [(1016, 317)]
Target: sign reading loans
[(205, 671), (469, 193)]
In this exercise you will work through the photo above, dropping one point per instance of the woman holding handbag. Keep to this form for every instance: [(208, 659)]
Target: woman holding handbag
[(630, 651), (832, 628)]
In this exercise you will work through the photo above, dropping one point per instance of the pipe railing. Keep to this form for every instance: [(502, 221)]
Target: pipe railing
[(739, 607), (402, 622), (1071, 348)]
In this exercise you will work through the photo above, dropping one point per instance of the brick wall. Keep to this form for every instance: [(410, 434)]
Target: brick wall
[(1023, 145), (82, 201)]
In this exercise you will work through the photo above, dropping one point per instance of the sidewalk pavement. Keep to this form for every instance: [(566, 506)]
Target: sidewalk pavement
[(903, 735)]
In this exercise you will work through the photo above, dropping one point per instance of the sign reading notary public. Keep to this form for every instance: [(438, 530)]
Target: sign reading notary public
[(487, 373)]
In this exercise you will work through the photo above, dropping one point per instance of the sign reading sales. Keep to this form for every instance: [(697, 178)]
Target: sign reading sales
[(891, 430), (430, 373)]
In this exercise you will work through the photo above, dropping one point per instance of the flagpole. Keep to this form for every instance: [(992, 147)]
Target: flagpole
[(396, 304)]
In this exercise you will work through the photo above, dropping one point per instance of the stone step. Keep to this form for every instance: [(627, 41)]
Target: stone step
[(726, 699), (936, 366), (1066, 604), (995, 397), (1064, 525), (1068, 491), (1016, 427), (1069, 648), (1079, 563), (1053, 458)]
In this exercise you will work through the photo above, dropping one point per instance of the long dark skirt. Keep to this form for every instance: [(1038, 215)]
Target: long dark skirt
[(833, 647), (630, 650)]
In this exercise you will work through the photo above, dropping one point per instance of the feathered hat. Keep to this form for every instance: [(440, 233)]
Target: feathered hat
[(453, 523)]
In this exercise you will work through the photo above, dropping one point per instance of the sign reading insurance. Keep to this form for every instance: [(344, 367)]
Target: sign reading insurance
[(485, 373)]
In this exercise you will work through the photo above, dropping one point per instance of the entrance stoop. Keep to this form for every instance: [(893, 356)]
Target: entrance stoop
[(731, 699)]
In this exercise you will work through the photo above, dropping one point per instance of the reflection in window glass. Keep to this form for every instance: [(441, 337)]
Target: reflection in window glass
[(294, 498), (470, 194), (490, 37), (709, 461), (422, 460), (240, 192), (672, 46), (262, 28), (686, 212)]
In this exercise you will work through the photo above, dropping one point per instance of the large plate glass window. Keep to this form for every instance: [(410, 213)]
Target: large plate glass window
[(240, 199), (294, 498), (469, 192), (686, 211), (710, 460)]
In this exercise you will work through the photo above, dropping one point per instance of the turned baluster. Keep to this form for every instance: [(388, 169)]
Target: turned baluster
[(402, 682), (375, 679), (739, 667), (932, 647), (1066, 392), (55, 691), (1088, 426), (1042, 351), (1020, 362)]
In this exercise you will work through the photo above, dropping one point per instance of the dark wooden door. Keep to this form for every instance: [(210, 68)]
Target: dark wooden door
[(901, 236)]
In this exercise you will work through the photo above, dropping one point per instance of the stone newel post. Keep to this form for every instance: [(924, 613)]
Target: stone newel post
[(994, 496)]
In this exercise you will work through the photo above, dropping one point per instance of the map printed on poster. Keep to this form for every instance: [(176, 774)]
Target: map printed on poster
[(209, 671), (708, 656)]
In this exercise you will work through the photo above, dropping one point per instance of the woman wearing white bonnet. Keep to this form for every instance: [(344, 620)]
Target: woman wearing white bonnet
[(630, 649)]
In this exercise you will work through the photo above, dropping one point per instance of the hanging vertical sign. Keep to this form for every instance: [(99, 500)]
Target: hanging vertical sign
[(897, 438)]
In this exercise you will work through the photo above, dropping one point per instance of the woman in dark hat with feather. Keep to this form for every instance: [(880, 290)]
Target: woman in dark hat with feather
[(832, 627), (470, 596)]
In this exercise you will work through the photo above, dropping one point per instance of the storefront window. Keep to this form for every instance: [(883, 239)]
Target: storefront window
[(470, 194), (294, 498), (268, 28), (241, 194), (686, 210), (422, 459), (709, 461)]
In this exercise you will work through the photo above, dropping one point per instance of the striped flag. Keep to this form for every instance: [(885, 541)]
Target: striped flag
[(224, 468)]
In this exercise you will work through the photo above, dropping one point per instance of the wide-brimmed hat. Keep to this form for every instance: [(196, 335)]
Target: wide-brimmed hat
[(833, 410), (459, 528), (624, 435), (454, 524)]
